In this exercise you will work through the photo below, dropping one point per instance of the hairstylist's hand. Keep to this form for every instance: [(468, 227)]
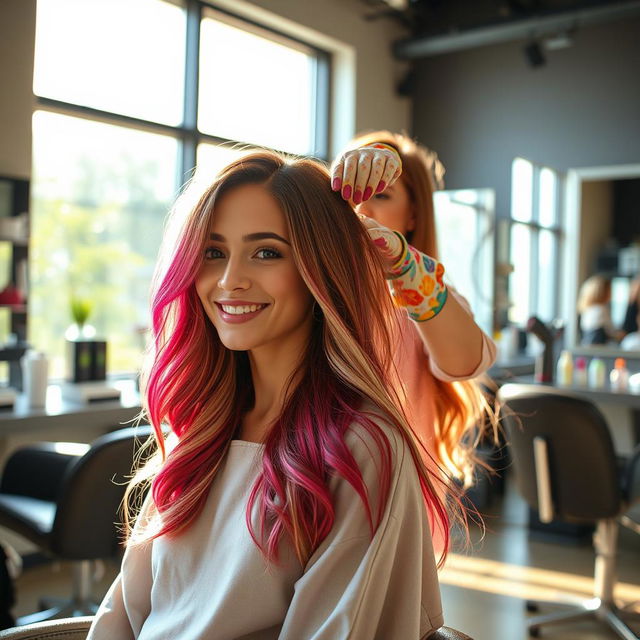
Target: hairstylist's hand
[(388, 243), (362, 172)]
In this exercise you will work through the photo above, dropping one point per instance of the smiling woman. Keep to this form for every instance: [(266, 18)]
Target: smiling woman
[(249, 285), (272, 368)]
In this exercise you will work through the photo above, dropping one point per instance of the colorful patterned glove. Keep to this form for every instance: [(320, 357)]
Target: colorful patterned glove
[(417, 283), (415, 279)]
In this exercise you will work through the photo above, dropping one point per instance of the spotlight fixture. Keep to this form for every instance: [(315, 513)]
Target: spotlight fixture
[(533, 54)]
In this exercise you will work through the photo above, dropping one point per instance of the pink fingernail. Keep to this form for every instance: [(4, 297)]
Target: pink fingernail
[(346, 192), (381, 186), (357, 196), (367, 193), (336, 184)]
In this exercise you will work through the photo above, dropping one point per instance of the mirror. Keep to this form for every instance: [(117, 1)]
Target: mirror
[(602, 207)]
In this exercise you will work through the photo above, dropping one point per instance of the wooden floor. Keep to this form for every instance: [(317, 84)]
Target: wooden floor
[(483, 589)]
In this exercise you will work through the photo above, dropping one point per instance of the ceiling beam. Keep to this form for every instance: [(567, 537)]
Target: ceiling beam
[(523, 29)]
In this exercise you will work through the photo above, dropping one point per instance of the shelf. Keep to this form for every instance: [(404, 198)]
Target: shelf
[(15, 308), (12, 352)]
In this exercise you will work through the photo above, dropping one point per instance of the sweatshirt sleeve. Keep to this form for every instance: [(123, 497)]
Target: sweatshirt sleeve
[(361, 587), (487, 358), (128, 601)]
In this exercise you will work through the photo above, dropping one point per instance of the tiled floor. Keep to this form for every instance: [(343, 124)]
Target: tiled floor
[(483, 590)]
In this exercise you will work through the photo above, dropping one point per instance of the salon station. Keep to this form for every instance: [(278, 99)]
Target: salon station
[(108, 109)]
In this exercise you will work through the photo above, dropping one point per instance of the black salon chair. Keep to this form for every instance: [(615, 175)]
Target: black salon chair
[(65, 498), (77, 628), (567, 470)]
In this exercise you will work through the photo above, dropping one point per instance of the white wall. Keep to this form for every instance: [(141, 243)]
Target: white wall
[(374, 101)]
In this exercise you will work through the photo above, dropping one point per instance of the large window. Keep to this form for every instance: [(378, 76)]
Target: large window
[(534, 242), (135, 97)]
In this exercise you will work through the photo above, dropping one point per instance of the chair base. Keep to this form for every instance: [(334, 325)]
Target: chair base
[(605, 612)]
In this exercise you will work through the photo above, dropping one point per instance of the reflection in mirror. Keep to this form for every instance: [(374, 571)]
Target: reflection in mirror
[(609, 251), (465, 224)]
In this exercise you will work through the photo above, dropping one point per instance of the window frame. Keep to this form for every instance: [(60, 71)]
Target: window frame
[(187, 133), (535, 227)]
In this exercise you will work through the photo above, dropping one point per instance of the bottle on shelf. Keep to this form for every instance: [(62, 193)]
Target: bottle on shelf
[(597, 374), (580, 378), (619, 376), (564, 369)]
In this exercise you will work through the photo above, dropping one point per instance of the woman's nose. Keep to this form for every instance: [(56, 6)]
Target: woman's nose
[(233, 277)]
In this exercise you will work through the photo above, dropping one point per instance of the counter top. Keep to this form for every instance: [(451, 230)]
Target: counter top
[(604, 395), (61, 412)]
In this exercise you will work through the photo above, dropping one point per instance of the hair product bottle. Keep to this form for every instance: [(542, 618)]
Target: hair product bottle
[(564, 369), (580, 378), (619, 376), (597, 374)]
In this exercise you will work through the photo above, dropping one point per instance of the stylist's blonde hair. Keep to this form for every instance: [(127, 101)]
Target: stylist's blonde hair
[(594, 290), (462, 411)]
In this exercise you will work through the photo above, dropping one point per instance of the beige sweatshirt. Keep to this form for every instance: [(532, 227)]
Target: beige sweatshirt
[(212, 583)]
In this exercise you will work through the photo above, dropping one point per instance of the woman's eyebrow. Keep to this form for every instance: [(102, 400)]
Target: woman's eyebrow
[(252, 237)]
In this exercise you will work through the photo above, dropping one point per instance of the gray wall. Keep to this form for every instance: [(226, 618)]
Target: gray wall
[(481, 108)]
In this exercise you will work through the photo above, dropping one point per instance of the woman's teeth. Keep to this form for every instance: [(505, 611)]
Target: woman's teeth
[(240, 309)]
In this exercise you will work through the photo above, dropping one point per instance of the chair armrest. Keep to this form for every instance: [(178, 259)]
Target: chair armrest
[(63, 629), (443, 633), (37, 471)]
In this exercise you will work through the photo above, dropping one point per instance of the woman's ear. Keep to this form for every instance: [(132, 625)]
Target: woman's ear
[(411, 223)]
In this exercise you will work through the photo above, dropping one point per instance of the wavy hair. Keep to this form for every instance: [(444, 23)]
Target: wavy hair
[(463, 415), (199, 389)]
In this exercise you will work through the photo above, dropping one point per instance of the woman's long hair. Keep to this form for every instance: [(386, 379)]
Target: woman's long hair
[(463, 415), (200, 389), (594, 290)]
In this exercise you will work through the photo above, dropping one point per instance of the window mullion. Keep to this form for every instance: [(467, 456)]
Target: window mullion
[(321, 119), (558, 234), (534, 297), (190, 112)]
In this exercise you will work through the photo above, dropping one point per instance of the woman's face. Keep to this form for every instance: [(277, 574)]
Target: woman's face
[(249, 284), (391, 208)]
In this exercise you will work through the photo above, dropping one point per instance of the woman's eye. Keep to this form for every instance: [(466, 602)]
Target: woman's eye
[(381, 196), (268, 254), (211, 253)]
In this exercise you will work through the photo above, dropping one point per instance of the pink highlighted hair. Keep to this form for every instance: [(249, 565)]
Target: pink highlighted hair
[(200, 389)]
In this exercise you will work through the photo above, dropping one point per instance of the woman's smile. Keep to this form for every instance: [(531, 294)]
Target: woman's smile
[(239, 311)]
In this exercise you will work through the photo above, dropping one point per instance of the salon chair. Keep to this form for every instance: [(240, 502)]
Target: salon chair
[(65, 498), (566, 469), (77, 628)]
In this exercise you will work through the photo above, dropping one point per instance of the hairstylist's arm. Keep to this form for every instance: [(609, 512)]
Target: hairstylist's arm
[(452, 337)]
